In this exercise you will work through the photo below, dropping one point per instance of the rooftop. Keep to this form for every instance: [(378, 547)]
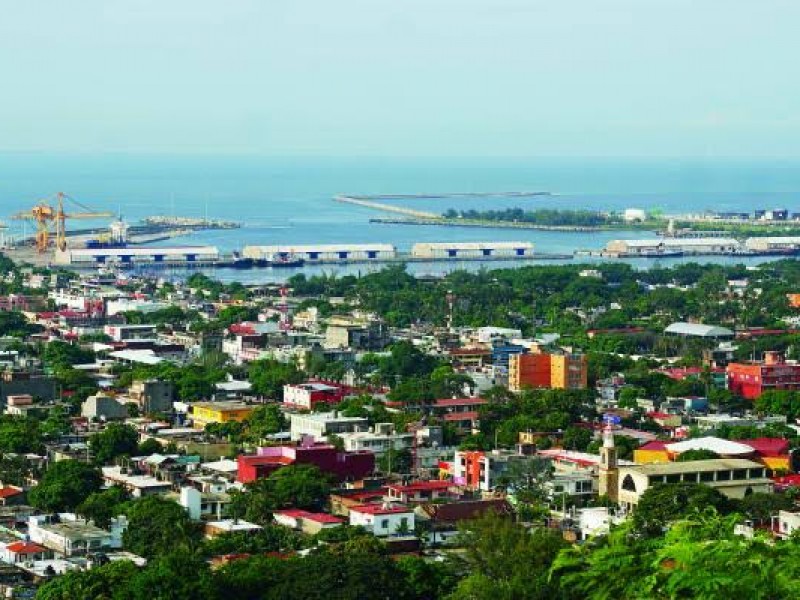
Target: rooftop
[(380, 509), (715, 444), (698, 330), (695, 466)]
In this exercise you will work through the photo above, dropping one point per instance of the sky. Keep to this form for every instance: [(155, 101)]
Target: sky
[(573, 78)]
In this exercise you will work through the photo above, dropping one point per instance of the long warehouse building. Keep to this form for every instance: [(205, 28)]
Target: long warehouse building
[(471, 249), (325, 252), (139, 255), (656, 246), (773, 244)]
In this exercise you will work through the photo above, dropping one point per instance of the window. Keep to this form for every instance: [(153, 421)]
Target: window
[(675, 478), (384, 523), (628, 484), (707, 476), (740, 474), (723, 475)]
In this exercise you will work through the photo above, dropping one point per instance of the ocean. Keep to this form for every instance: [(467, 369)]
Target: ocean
[(290, 200)]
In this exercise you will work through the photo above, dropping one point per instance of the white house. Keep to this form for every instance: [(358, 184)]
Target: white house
[(383, 519), (67, 534)]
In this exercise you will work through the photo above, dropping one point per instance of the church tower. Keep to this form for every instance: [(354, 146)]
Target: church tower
[(609, 471)]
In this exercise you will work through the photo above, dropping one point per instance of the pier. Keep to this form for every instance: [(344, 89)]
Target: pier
[(385, 207), (445, 222)]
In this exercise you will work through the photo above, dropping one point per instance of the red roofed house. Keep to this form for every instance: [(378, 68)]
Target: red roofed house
[(384, 519), (445, 518), (305, 521), (420, 491), (23, 551), (10, 494), (463, 412), (773, 452), (343, 465)]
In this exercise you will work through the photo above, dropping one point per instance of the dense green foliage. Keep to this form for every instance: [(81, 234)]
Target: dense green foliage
[(157, 526), (542, 216), (65, 485), (113, 441), (298, 486)]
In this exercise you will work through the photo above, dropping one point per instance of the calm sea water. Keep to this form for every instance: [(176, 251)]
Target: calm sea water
[(289, 201)]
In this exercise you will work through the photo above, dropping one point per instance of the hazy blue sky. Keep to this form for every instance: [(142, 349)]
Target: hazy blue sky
[(402, 77)]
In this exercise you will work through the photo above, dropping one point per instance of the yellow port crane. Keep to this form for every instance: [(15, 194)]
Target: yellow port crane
[(47, 216)]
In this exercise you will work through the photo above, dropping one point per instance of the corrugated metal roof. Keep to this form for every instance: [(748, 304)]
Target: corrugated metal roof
[(698, 329)]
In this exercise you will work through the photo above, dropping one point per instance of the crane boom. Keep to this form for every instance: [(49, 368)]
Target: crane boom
[(45, 214)]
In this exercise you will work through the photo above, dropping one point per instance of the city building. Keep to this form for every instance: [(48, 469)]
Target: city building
[(320, 425), (343, 465), (479, 470), (151, 395), (357, 334), (68, 535), (203, 413), (309, 523), (419, 491), (307, 395), (752, 379), (734, 477), (378, 439), (103, 406), (385, 519), (558, 371)]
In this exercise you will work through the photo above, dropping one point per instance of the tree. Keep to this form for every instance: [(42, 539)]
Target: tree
[(19, 435), (395, 461), (298, 486), (65, 485), (761, 507), (177, 575), (505, 560), (425, 578), (265, 420), (113, 441), (101, 583), (101, 507), (577, 438), (697, 454), (269, 376), (157, 526), (666, 502), (149, 447), (272, 538), (16, 469)]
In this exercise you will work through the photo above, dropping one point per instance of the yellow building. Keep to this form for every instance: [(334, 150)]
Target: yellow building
[(204, 413), (569, 371)]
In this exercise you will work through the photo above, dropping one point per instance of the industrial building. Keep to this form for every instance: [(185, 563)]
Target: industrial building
[(470, 249), (322, 253), (672, 246), (773, 244), (177, 255)]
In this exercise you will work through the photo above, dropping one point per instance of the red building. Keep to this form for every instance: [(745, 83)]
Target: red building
[(750, 380), (342, 465), (307, 395)]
